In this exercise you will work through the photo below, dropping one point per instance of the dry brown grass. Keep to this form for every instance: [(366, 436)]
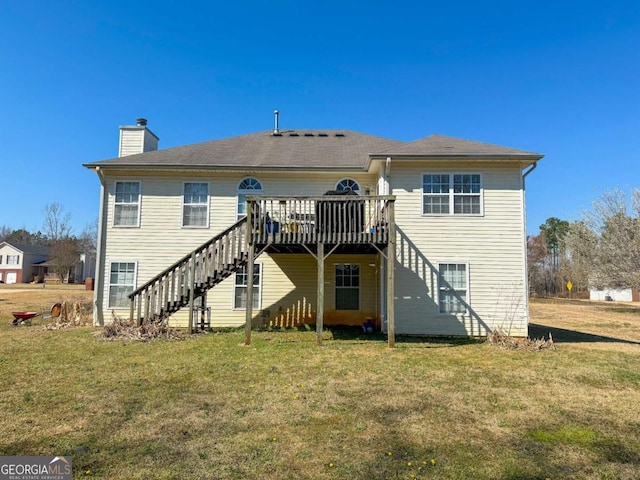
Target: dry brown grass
[(28, 297), (284, 408), (588, 324)]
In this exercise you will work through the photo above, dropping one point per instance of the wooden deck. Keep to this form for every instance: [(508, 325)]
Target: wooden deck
[(317, 225), (345, 219)]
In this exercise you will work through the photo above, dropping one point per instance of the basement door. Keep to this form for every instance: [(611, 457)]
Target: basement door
[(11, 277)]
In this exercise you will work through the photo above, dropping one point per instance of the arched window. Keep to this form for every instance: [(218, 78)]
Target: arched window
[(248, 186), (348, 184)]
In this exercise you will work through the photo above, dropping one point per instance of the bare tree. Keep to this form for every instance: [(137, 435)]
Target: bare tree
[(5, 231), (545, 256), (65, 253), (56, 222), (88, 239), (537, 265), (580, 256), (609, 239)]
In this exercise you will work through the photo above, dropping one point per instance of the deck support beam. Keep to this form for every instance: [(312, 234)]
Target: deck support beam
[(391, 260), (320, 300), (250, 246), (249, 309)]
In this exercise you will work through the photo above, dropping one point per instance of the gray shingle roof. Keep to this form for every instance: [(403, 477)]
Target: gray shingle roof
[(26, 248), (290, 149), (442, 145), (306, 149)]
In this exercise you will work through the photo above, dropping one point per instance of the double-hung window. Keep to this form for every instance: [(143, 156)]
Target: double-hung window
[(240, 288), (453, 287), (127, 204), (347, 287), (122, 280), (13, 259), (451, 194), (195, 204)]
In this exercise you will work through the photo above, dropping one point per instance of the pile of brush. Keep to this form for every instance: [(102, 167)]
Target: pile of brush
[(498, 337), (122, 329), (72, 314)]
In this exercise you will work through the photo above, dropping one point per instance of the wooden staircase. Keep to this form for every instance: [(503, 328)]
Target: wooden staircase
[(191, 277), (290, 224)]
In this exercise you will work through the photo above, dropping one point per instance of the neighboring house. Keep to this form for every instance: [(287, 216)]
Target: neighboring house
[(17, 261), (85, 267), (425, 237), (614, 294)]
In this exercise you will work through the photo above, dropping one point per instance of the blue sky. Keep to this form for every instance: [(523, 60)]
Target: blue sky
[(556, 77)]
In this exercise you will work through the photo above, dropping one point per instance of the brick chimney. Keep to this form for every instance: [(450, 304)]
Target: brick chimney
[(137, 139)]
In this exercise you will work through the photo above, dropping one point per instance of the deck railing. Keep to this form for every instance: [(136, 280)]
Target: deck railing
[(327, 219)]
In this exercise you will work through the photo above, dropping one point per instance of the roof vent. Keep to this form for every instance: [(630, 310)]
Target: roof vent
[(308, 134), (323, 135), (276, 130), (339, 134), (141, 122)]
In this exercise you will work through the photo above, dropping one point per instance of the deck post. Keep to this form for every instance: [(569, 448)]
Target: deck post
[(320, 300), (131, 308), (250, 266), (391, 260), (249, 309), (192, 288)]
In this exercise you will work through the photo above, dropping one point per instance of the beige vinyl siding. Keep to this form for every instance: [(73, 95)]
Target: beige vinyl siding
[(131, 142), (160, 240), (9, 250), (491, 245)]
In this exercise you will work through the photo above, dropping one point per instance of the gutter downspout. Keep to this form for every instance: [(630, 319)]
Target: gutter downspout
[(387, 172), (98, 294), (525, 244), (524, 175)]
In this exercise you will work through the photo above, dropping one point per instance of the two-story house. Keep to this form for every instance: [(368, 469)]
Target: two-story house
[(290, 227), (18, 261)]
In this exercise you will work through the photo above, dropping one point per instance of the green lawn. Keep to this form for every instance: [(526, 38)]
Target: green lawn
[(283, 408)]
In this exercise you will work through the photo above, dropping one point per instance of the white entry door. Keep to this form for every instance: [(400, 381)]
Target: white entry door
[(11, 277)]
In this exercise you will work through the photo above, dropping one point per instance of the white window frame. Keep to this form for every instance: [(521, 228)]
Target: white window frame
[(243, 192), (351, 183), (257, 289), (116, 203), (13, 259), (443, 288), (336, 287), (452, 195), (207, 204), (133, 285)]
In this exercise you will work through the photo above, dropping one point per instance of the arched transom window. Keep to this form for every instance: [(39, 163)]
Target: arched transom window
[(348, 184), (248, 186)]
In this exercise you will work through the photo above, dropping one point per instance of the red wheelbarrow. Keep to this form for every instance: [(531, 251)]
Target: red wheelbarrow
[(25, 318)]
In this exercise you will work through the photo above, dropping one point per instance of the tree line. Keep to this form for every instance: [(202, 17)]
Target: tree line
[(602, 250), (56, 234)]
